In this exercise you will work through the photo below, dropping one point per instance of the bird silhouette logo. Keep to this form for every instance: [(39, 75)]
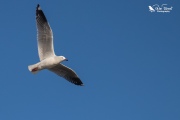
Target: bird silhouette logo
[(151, 9)]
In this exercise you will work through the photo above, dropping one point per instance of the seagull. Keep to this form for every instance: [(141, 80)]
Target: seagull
[(48, 59)]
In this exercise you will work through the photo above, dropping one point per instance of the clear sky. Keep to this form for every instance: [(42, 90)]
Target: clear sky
[(127, 57)]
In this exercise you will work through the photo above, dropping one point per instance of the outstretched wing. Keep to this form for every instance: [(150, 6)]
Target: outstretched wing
[(66, 73), (44, 35)]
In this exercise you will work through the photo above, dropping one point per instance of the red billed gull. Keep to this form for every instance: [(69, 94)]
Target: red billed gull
[(48, 59)]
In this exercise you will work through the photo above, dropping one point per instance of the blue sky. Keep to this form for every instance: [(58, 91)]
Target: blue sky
[(127, 57)]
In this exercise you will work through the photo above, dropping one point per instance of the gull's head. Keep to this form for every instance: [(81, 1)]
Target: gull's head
[(61, 58)]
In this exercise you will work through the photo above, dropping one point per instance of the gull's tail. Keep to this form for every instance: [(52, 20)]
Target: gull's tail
[(33, 68)]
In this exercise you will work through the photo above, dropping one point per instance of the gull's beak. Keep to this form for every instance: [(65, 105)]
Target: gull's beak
[(66, 59)]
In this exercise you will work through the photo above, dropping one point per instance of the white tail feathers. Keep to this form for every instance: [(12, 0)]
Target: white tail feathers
[(33, 68)]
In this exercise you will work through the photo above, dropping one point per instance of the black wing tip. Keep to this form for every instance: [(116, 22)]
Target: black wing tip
[(80, 84), (38, 7), (40, 14), (77, 81)]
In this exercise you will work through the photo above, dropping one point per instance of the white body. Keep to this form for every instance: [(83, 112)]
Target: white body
[(46, 63)]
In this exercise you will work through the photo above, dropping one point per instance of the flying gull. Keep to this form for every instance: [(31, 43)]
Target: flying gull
[(48, 59)]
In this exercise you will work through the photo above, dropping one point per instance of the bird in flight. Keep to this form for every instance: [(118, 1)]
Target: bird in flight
[(48, 59)]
